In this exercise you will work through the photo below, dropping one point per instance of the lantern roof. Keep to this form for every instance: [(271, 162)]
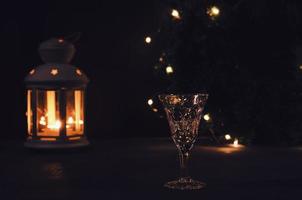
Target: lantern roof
[(56, 74), (56, 53)]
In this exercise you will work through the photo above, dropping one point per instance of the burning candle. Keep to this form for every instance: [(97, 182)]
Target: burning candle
[(42, 121), (55, 126), (55, 99), (70, 120)]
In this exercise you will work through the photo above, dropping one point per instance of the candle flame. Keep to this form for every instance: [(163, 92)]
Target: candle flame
[(70, 120), (42, 121), (236, 142), (56, 125)]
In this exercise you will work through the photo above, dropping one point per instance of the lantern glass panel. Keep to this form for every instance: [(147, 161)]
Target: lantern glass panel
[(48, 115), (29, 114), (74, 112)]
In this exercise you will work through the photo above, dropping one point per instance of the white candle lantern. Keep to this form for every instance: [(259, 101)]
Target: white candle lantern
[(55, 99)]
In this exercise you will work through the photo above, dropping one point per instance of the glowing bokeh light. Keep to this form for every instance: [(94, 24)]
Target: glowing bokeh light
[(213, 12), (175, 14), (150, 102), (148, 40), (169, 69), (207, 117), (227, 137)]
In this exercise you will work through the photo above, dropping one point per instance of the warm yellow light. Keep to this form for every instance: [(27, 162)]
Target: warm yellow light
[(227, 137), (150, 102), (225, 149), (77, 107), (169, 69), (54, 72), (51, 107), (148, 40), (74, 138), (155, 110), (70, 120), (236, 143), (174, 100), (300, 67), (42, 121), (213, 11), (48, 139), (57, 125), (81, 122), (28, 113), (32, 72), (79, 72), (207, 117), (175, 14)]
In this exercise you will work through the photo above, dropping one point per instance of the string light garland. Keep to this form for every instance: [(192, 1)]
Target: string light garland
[(163, 68)]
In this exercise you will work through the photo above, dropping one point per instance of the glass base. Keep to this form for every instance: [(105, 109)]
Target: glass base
[(185, 184)]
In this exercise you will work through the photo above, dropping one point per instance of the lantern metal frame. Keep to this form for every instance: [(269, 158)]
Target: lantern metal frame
[(57, 55)]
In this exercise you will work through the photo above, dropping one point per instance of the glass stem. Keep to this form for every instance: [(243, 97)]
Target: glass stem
[(184, 159)]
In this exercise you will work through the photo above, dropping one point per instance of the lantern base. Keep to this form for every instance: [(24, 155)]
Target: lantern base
[(65, 144)]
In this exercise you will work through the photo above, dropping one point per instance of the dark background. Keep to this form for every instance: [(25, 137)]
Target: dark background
[(259, 98)]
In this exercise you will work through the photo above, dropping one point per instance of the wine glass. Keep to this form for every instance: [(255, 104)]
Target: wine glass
[(184, 112)]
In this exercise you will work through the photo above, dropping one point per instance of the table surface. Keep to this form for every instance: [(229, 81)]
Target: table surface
[(138, 168)]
